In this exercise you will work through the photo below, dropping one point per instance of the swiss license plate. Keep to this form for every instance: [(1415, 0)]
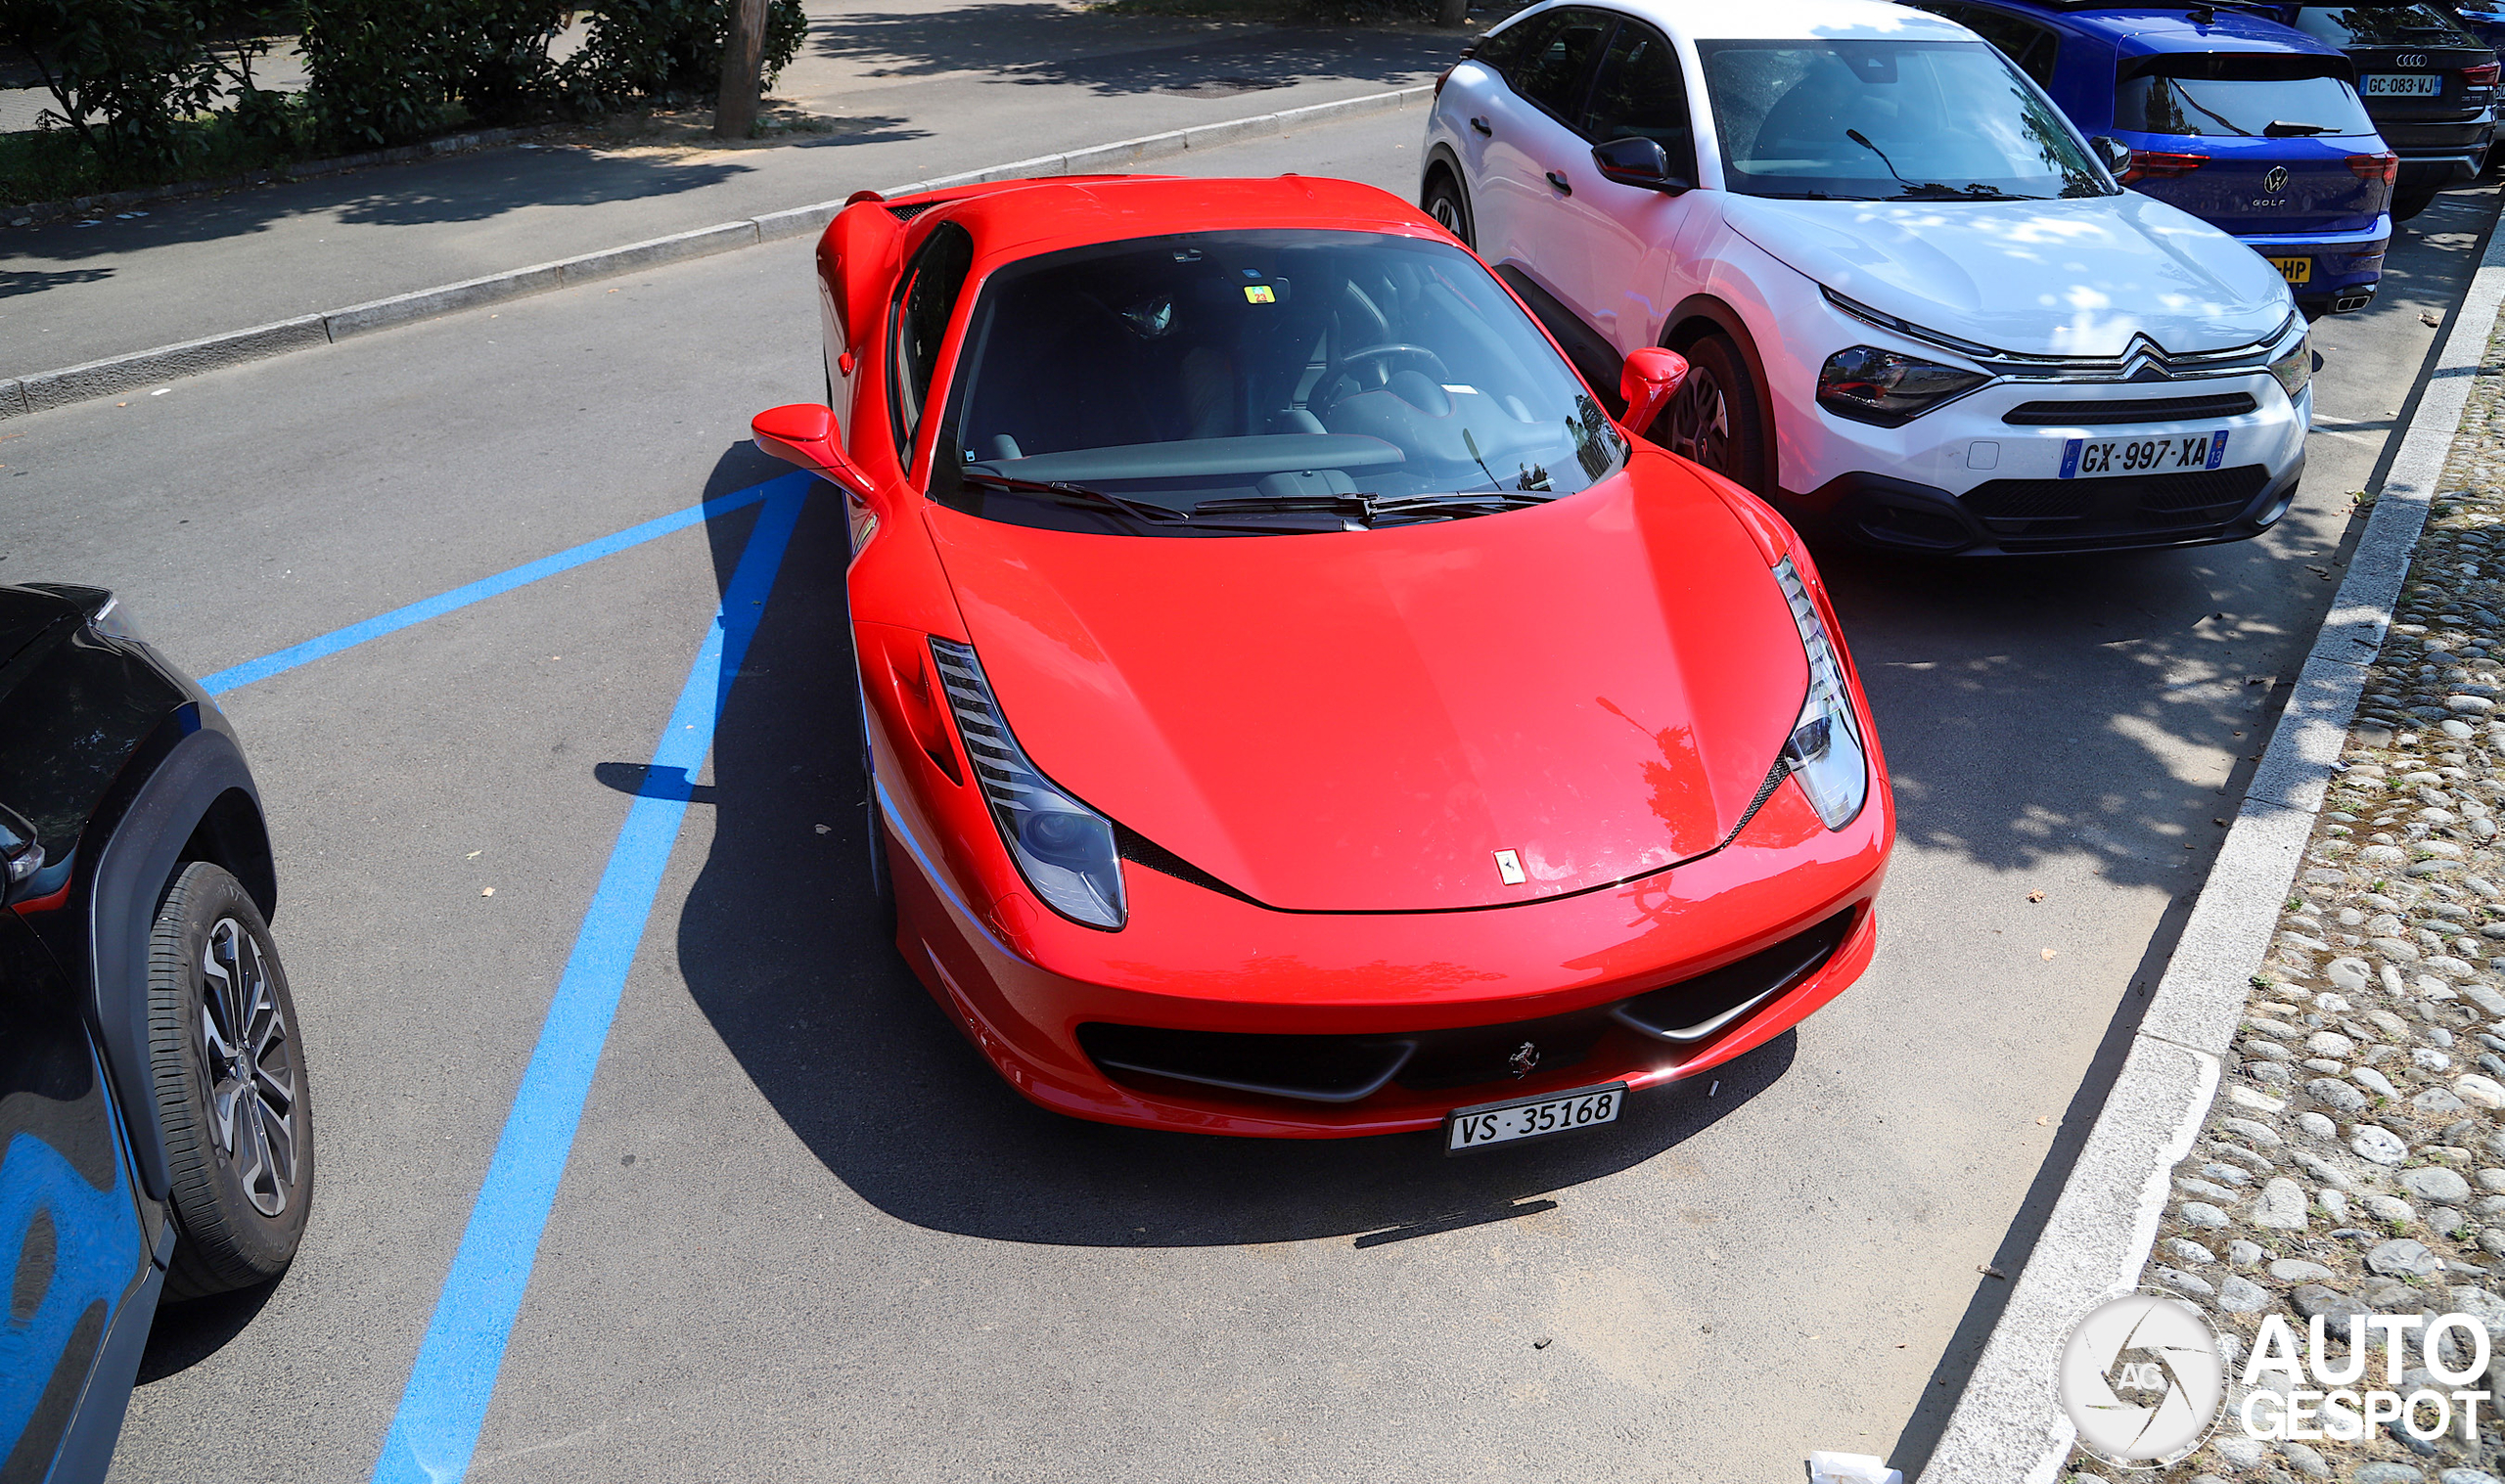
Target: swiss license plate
[(2105, 458), (1489, 1124), (2296, 270), (2403, 85)]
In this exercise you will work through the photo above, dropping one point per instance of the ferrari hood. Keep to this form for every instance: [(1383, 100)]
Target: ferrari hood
[(1361, 721), (2075, 278)]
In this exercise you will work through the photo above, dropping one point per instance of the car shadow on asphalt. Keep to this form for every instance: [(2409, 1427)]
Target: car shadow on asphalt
[(1067, 46), (781, 949), (184, 1334)]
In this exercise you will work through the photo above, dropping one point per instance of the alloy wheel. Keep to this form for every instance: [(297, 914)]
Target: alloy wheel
[(250, 1054), (1700, 423)]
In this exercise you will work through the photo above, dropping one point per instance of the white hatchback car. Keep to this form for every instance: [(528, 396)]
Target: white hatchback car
[(1920, 313)]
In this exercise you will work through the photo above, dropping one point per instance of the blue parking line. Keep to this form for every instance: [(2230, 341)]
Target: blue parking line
[(436, 1427), (488, 587)]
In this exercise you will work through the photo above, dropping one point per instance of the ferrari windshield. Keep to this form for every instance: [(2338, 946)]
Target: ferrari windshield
[(1272, 380), (1880, 121)]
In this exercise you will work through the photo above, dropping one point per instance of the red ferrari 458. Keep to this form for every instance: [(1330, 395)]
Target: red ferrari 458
[(1294, 705)]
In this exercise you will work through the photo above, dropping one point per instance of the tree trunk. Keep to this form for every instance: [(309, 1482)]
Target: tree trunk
[(743, 56), (1454, 14)]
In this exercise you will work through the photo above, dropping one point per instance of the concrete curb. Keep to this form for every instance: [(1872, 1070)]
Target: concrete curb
[(2008, 1425), (44, 390)]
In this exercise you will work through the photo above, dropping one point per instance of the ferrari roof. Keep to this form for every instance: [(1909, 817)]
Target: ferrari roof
[(1077, 210)]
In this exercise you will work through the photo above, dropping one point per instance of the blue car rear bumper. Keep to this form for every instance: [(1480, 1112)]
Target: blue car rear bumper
[(2343, 267)]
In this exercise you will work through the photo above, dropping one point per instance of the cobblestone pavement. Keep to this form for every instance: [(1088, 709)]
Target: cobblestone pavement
[(2354, 1159)]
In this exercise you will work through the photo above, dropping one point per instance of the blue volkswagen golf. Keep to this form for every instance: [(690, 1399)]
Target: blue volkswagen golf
[(2247, 125)]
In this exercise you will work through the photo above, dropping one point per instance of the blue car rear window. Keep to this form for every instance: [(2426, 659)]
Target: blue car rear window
[(2186, 97)]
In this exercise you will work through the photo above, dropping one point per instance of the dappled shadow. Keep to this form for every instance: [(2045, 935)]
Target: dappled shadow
[(2085, 707), (15, 282), (783, 951), (1033, 44), (477, 186)]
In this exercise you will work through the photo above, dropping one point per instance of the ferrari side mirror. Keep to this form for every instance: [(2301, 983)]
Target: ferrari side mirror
[(804, 433), (1651, 378), (1639, 162)]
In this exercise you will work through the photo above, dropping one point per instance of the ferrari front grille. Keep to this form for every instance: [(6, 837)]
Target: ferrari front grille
[(1344, 1069)]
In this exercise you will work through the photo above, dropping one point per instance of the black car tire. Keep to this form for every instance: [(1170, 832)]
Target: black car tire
[(1446, 202), (1716, 418), (2408, 201), (231, 1096)]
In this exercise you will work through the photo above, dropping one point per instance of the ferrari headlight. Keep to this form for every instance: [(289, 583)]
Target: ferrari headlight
[(1869, 384), (1062, 848), (1825, 746), (2294, 368)]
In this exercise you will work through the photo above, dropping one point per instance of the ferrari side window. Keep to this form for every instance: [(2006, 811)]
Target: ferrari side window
[(924, 304)]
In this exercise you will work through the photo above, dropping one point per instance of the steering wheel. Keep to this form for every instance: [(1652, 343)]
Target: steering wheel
[(1385, 351)]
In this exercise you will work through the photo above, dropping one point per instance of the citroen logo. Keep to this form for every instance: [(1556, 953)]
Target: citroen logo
[(2276, 181), (1509, 867), (1525, 1057), (2145, 361)]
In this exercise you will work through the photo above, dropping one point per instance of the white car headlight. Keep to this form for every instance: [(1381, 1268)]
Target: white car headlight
[(2293, 367), (1824, 748), (1062, 848)]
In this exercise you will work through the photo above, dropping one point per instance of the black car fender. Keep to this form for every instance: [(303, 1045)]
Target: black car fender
[(185, 796)]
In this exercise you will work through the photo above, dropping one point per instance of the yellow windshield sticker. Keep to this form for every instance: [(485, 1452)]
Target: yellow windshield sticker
[(1259, 293)]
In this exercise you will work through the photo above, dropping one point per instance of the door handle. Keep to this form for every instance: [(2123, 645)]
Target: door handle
[(1563, 185), (1480, 124)]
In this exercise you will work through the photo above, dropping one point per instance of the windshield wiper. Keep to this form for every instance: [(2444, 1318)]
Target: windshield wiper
[(1074, 494), (1368, 508), (2280, 128)]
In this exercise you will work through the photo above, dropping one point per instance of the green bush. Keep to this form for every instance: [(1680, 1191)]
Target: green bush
[(380, 71), (659, 48), (501, 71), (125, 75)]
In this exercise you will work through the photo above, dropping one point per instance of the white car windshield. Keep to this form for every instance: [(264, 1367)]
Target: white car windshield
[(1276, 381), (1888, 120)]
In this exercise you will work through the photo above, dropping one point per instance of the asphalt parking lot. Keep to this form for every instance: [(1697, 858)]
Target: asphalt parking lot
[(800, 1231)]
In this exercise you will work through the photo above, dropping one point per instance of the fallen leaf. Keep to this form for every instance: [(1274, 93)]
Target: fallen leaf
[(1988, 1271), (2425, 318), (2217, 822), (825, 829), (474, 855), (488, 891), (2035, 896), (2048, 955), (2040, 1122)]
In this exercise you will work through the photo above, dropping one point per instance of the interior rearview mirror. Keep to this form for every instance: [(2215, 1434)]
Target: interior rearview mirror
[(804, 433), (1648, 379), (1639, 162)]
